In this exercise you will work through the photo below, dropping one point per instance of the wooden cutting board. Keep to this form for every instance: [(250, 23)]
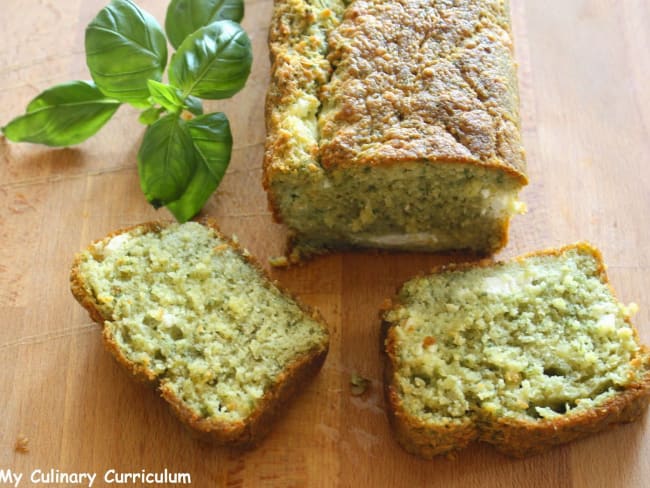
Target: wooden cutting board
[(585, 100)]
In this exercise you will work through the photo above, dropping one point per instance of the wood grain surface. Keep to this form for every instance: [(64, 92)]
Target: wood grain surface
[(585, 100)]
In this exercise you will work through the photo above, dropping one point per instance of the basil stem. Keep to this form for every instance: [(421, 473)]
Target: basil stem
[(171, 99), (166, 96)]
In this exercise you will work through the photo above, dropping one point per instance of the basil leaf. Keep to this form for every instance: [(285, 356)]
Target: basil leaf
[(214, 62), (166, 96), (186, 16), (202, 185), (125, 47), (213, 145), (150, 115), (63, 115), (194, 105), (166, 160), (213, 141)]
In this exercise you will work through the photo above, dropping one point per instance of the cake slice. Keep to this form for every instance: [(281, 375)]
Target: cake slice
[(184, 308), (523, 355), (393, 124)]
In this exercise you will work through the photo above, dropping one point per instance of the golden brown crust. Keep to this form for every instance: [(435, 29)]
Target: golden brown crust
[(299, 67), (244, 433), (510, 436), (422, 81), (412, 81)]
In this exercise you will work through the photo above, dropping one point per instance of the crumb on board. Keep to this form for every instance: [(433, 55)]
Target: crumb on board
[(451, 456), (279, 261), (21, 445), (358, 384), (220, 248)]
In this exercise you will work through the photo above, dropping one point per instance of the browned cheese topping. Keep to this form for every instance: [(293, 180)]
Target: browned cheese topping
[(421, 80)]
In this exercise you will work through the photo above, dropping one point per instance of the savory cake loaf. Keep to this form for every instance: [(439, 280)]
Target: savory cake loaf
[(524, 355), (184, 308), (393, 124)]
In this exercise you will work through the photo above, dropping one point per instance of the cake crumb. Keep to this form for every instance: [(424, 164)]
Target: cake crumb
[(220, 248), (21, 445), (358, 385), (279, 261)]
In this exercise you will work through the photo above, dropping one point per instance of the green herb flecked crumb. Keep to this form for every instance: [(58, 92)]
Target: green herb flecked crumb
[(184, 304), (531, 339), (359, 385)]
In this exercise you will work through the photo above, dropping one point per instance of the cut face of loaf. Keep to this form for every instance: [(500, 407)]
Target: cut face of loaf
[(393, 124), (184, 308), (523, 355)]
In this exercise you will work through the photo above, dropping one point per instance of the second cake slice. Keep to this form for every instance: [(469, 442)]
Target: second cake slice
[(523, 355), (184, 308)]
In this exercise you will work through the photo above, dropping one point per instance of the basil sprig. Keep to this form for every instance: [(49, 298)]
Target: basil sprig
[(184, 153)]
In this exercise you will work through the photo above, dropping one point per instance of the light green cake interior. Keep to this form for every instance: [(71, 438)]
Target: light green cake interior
[(530, 340), (412, 205), (185, 305)]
